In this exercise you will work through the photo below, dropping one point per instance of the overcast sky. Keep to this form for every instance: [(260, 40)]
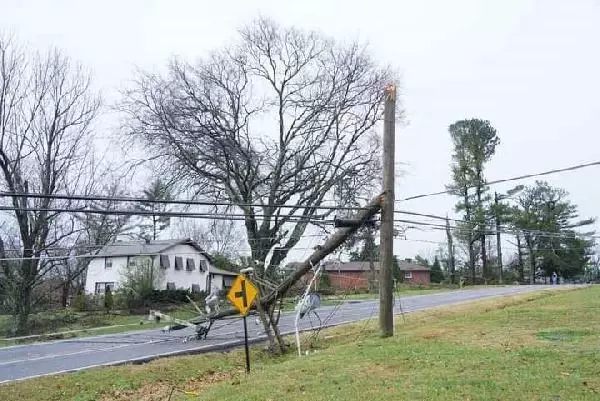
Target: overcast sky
[(530, 67)]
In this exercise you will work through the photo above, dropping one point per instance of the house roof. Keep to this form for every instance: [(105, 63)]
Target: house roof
[(216, 270), (136, 248), (365, 266)]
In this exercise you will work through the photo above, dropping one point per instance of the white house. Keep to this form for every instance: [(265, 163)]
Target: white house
[(182, 264)]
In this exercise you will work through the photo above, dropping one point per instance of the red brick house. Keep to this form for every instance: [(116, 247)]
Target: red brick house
[(357, 275)]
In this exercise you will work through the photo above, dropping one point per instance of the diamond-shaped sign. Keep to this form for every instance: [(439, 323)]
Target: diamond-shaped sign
[(242, 294)]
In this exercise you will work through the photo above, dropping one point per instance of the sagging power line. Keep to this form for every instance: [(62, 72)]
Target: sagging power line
[(186, 202), (500, 181)]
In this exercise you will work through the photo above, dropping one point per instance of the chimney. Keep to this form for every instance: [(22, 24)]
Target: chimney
[(409, 260)]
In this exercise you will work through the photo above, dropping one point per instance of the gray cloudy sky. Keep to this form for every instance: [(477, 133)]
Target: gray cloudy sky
[(530, 67)]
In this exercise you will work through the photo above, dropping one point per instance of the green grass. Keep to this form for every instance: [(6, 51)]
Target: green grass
[(541, 346)]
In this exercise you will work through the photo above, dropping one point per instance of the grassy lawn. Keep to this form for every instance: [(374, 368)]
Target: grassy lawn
[(541, 346)]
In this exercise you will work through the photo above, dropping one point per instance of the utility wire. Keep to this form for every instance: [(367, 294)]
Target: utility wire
[(187, 202), (492, 231), (121, 212), (517, 178)]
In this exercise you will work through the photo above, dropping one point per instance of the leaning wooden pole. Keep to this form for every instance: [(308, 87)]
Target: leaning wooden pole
[(328, 247), (386, 245), (337, 239)]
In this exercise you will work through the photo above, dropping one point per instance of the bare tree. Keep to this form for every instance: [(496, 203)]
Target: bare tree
[(90, 232), (279, 120), (325, 98), (46, 109), (223, 237)]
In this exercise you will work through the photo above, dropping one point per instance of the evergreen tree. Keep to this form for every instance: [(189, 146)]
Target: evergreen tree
[(546, 220), (437, 276), (475, 143), (157, 191)]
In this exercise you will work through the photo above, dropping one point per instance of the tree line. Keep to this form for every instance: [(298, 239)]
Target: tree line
[(544, 224)]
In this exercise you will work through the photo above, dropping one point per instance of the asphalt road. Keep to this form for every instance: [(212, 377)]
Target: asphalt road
[(47, 358)]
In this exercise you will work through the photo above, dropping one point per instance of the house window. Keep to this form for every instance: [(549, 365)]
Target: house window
[(408, 275), (108, 263), (189, 264), (178, 263), (164, 261), (131, 261), (195, 287), (228, 281), (170, 286), (203, 265), (103, 286)]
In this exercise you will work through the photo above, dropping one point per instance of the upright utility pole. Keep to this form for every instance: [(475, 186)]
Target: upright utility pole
[(386, 252), (451, 259), (497, 215)]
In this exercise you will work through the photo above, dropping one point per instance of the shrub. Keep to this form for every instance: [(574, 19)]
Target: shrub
[(79, 303), (108, 300)]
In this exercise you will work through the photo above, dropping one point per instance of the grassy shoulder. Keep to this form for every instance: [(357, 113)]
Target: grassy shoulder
[(536, 346)]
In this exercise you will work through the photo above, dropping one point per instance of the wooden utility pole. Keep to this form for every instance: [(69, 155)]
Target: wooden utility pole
[(386, 246), (498, 239), (451, 260)]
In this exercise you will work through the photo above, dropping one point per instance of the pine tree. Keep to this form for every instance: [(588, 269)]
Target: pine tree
[(437, 276), (157, 191)]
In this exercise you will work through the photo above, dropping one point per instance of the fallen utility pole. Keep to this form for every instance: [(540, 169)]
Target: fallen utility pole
[(386, 242), (363, 217)]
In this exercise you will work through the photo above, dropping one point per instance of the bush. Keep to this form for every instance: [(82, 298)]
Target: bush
[(79, 303), (108, 300)]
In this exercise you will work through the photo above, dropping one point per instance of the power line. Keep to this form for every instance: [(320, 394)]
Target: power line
[(93, 256), (137, 243), (512, 249), (121, 212), (505, 230), (518, 178), (187, 202)]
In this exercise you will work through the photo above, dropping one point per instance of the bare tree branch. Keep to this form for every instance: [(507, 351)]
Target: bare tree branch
[(46, 109)]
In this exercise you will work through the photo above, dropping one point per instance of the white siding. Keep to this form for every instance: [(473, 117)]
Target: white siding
[(183, 279), (97, 273)]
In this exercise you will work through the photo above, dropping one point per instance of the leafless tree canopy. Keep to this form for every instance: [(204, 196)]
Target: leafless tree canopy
[(281, 118), (45, 114), (215, 236)]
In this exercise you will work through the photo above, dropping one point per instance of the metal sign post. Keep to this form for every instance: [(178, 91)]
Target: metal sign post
[(242, 295)]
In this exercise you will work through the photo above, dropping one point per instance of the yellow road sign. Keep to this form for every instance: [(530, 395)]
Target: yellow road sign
[(242, 294)]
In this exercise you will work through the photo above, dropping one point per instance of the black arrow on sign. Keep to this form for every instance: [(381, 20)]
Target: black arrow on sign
[(242, 294)]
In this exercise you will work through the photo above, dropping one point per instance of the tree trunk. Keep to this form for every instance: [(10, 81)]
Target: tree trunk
[(266, 325), (472, 261), (22, 309), (66, 288), (274, 325)]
